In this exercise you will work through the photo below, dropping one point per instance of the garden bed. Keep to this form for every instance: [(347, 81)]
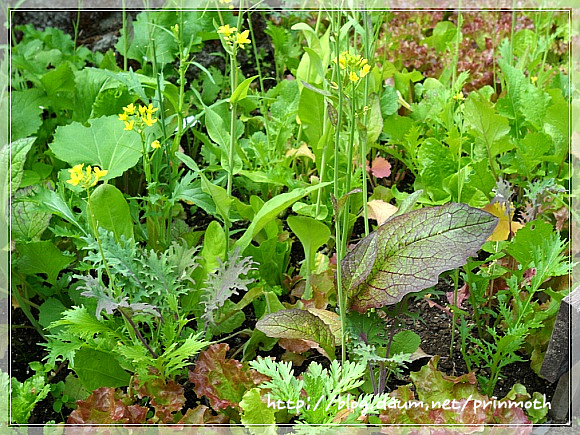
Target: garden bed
[(215, 209)]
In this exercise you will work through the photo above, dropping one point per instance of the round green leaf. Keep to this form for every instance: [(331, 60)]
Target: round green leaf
[(104, 143)]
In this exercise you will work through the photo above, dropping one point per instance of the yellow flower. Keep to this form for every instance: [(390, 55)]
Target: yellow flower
[(151, 110), (123, 116), (130, 109), (459, 96), (129, 125), (365, 70), (99, 173), (76, 174), (155, 144), (142, 110), (342, 61), (242, 38), (353, 77), (149, 121), (227, 30), (534, 79)]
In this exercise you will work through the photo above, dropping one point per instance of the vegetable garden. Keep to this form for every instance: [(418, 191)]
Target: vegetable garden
[(265, 216)]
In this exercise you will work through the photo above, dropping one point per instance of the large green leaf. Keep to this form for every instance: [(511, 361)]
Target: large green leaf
[(298, 324), (407, 253), (111, 212), (104, 143), (42, 257), (96, 369)]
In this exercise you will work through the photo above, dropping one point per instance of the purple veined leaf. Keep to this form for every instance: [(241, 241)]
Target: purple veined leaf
[(408, 252)]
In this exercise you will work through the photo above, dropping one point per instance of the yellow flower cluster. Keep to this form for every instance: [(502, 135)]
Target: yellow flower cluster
[(134, 117), (87, 177), (357, 66), (459, 96), (233, 37)]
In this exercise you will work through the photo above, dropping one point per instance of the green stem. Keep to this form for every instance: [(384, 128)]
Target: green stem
[(339, 248), (125, 36)]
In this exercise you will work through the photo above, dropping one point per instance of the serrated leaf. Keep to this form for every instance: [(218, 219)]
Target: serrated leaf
[(25, 110), (104, 406), (104, 143), (489, 129), (52, 202), (408, 252), (298, 324), (257, 412), (42, 257), (223, 381)]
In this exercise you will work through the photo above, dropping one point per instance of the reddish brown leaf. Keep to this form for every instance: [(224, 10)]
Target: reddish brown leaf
[(223, 381), (462, 294), (166, 398), (104, 406), (202, 415)]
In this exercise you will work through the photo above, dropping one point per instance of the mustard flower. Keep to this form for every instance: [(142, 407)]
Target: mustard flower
[(365, 70), (129, 125), (534, 79), (353, 77), (76, 175), (242, 38), (226, 30), (155, 144), (459, 96), (130, 109)]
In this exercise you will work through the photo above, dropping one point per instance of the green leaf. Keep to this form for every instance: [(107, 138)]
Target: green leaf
[(218, 132), (407, 253), (405, 342), (257, 412), (389, 101), (489, 129), (312, 234), (298, 324), (42, 257), (53, 202), (110, 211), (105, 144), (28, 221), (311, 114), (96, 369), (214, 247), (270, 210), (25, 396), (25, 110), (242, 90), (50, 311), (14, 156)]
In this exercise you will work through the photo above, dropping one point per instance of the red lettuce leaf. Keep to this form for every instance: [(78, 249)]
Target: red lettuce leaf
[(223, 381), (106, 406)]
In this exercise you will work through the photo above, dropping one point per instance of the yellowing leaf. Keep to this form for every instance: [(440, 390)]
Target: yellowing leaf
[(502, 230), (302, 151), (380, 210)]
